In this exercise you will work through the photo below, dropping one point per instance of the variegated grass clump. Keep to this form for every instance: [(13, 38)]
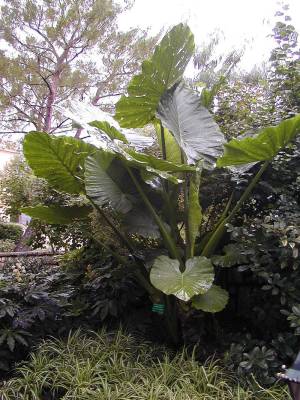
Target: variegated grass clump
[(116, 366)]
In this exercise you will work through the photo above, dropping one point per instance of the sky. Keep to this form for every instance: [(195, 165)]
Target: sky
[(244, 23)]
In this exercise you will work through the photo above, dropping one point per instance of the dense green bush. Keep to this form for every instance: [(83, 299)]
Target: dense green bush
[(7, 245), (10, 231), (119, 367), (37, 300)]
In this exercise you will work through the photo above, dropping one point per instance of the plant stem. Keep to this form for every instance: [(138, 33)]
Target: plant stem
[(170, 244), (186, 211), (221, 228), (163, 142), (171, 317)]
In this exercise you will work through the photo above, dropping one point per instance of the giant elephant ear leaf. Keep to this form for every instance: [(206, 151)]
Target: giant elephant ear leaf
[(165, 68), (102, 181), (214, 300), (58, 214), (197, 277), (59, 160), (262, 147), (193, 127)]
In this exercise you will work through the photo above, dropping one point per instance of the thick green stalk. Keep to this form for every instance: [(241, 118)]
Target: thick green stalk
[(221, 228), (170, 244)]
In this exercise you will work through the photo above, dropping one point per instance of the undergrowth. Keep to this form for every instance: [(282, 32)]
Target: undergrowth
[(121, 367)]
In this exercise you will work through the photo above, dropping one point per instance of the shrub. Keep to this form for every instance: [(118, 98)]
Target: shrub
[(37, 300), (116, 366), (10, 232), (7, 245)]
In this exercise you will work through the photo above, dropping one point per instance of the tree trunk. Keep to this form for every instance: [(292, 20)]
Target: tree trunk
[(50, 101)]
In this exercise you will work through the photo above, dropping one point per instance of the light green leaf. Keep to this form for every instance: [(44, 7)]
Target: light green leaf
[(166, 67), (193, 127), (110, 130), (59, 160), (158, 163), (194, 211), (262, 147), (197, 277), (154, 165), (101, 184), (57, 214), (173, 153), (214, 300)]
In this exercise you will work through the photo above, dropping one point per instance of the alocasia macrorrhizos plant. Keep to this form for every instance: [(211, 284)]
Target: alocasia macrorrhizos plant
[(150, 196)]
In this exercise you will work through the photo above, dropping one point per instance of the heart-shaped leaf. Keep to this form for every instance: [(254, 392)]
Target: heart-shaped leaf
[(214, 300), (197, 277)]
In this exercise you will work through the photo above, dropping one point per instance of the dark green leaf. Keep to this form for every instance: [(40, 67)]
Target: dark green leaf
[(139, 222), (233, 256)]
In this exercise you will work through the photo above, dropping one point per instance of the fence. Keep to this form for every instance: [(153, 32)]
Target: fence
[(48, 257)]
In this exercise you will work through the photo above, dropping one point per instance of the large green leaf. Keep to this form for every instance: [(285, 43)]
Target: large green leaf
[(264, 146), (194, 211), (110, 130), (193, 127), (59, 160), (159, 164), (197, 277), (214, 300), (101, 185), (166, 67), (154, 165), (58, 214)]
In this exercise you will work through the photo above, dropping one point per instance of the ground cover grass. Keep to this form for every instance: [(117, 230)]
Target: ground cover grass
[(105, 366)]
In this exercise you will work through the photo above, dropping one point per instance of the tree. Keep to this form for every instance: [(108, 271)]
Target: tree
[(285, 66), (267, 94), (62, 50)]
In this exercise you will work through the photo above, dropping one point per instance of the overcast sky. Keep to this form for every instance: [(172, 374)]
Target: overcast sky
[(243, 22)]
